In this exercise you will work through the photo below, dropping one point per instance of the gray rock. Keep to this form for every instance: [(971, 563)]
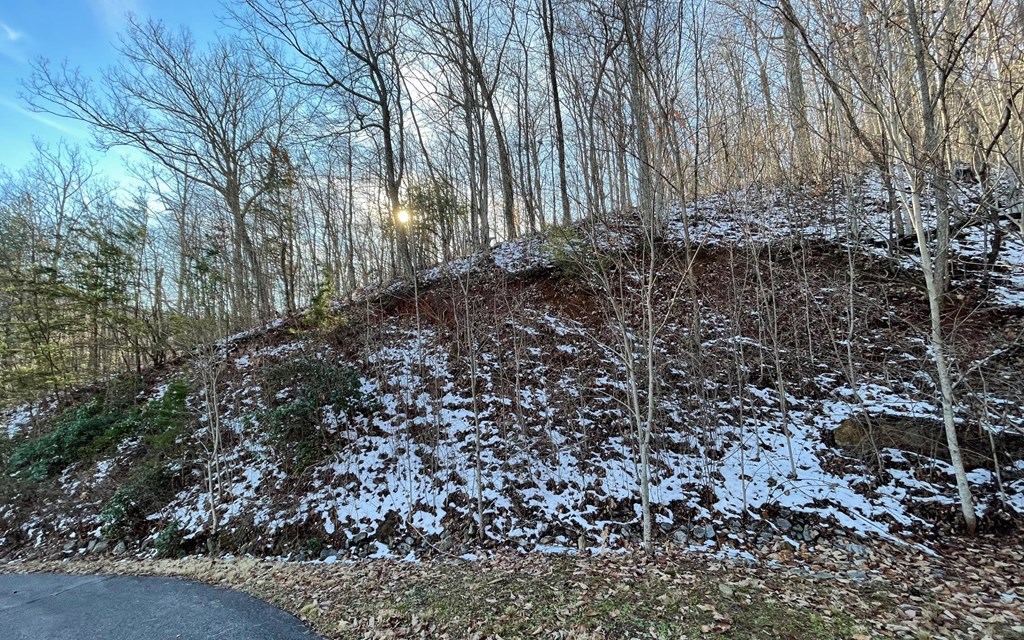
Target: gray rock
[(547, 540), (410, 541), (120, 548), (853, 574), (709, 532), (69, 547), (810, 534), (301, 556), (90, 547), (783, 525), (101, 546), (725, 590), (698, 532), (326, 551), (681, 536), (857, 549), (359, 538)]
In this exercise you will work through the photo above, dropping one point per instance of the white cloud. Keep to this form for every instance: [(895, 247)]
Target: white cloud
[(10, 33), (111, 13), (12, 43), (40, 118)]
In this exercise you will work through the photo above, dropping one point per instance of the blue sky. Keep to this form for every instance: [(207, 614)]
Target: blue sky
[(83, 32)]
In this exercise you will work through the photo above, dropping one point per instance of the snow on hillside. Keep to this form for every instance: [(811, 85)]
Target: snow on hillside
[(544, 441)]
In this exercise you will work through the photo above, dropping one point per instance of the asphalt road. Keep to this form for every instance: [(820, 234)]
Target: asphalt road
[(65, 607)]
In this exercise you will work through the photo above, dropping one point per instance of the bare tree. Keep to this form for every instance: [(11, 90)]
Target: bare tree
[(204, 114)]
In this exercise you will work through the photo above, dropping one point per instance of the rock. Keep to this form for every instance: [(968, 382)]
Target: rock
[(810, 534), (324, 553), (301, 556), (681, 536), (101, 546), (547, 540), (69, 547), (359, 538), (120, 548), (783, 525), (853, 574), (856, 549), (725, 590), (698, 532), (410, 541), (709, 532), (90, 547)]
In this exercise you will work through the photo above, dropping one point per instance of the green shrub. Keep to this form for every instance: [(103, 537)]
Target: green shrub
[(162, 420), (99, 426), (320, 314), (572, 256), (298, 423), (168, 541), (79, 431), (146, 491)]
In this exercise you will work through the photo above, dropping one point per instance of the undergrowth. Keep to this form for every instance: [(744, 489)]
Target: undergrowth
[(100, 426), (146, 491), (301, 392), (79, 433)]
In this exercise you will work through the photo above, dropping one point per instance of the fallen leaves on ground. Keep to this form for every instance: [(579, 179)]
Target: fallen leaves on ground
[(970, 589)]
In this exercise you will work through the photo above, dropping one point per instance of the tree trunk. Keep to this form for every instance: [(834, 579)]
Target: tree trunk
[(548, 23)]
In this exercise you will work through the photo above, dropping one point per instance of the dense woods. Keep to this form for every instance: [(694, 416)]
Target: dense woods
[(320, 147)]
